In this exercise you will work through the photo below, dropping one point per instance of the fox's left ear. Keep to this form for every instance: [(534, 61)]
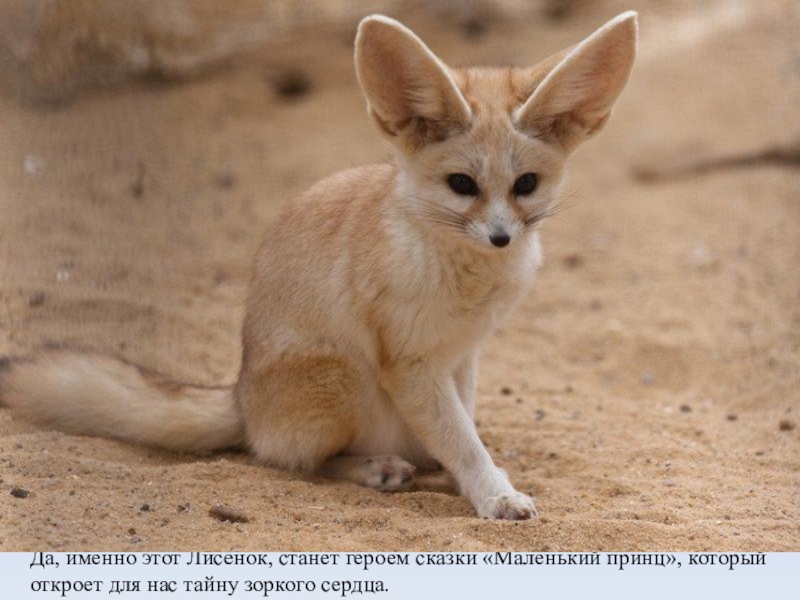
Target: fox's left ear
[(575, 99)]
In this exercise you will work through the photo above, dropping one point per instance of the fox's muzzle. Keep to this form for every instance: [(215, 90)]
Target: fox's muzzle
[(500, 239)]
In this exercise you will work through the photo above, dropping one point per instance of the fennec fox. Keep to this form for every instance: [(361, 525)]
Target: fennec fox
[(374, 291)]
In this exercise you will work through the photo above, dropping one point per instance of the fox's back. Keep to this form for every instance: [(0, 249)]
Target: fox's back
[(312, 256)]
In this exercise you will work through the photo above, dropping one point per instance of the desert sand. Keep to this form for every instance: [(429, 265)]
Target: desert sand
[(647, 392)]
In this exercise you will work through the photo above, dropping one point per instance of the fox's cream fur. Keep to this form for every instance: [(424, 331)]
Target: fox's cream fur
[(374, 291)]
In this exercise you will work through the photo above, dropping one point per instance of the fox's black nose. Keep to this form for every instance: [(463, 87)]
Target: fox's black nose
[(500, 239)]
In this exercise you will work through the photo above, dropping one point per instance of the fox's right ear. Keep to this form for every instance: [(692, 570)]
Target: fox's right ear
[(410, 93)]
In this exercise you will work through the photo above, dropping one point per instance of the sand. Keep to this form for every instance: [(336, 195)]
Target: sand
[(647, 392)]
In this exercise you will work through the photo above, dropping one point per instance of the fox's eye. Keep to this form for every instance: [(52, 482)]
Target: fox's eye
[(463, 185), (526, 184)]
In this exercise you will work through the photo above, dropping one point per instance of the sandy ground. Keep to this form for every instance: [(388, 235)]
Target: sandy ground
[(647, 392)]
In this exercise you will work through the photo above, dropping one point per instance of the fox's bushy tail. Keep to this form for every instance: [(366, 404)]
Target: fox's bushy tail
[(103, 396)]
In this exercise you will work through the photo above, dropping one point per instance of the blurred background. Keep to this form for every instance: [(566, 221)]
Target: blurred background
[(144, 144)]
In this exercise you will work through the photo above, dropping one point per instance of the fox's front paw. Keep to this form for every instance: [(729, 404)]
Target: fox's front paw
[(514, 506)]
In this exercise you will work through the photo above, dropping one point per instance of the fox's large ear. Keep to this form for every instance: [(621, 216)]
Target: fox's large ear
[(410, 92), (575, 99)]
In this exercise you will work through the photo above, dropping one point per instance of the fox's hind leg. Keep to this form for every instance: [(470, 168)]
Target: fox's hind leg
[(384, 473), (298, 409), (301, 412)]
